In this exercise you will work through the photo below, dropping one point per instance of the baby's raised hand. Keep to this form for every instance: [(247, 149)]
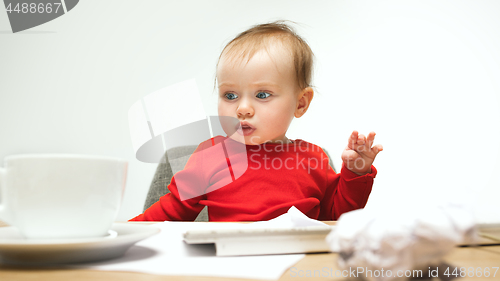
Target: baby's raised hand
[(359, 154)]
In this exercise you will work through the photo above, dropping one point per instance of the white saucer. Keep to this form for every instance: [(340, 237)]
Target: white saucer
[(14, 249)]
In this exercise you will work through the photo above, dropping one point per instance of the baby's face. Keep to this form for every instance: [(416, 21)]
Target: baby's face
[(261, 94)]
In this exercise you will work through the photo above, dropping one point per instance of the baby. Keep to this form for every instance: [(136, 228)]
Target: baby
[(264, 81)]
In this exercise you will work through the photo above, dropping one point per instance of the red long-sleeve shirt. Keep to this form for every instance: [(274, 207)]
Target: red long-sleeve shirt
[(259, 182)]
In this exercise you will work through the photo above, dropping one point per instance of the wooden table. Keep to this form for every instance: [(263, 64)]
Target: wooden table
[(312, 266)]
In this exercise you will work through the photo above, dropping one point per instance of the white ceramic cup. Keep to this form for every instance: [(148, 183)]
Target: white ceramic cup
[(61, 195)]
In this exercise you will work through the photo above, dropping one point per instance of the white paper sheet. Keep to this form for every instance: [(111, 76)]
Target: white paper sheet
[(166, 253)]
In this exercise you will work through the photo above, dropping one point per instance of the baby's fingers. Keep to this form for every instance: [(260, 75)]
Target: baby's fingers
[(353, 139), (370, 138), (377, 148), (361, 139), (357, 138)]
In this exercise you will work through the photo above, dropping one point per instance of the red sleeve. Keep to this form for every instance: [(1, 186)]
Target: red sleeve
[(186, 190), (171, 208), (346, 192)]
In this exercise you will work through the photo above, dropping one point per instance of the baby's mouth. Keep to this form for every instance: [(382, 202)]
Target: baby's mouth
[(245, 129)]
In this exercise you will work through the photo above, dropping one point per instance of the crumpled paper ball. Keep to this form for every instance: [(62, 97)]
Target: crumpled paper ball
[(400, 240)]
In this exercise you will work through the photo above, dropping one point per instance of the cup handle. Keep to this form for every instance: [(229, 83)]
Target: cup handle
[(3, 196)]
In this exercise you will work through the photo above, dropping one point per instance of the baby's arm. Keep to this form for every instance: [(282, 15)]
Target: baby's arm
[(171, 208), (359, 154), (349, 190)]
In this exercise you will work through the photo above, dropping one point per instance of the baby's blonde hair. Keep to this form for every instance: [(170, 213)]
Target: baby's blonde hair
[(259, 37)]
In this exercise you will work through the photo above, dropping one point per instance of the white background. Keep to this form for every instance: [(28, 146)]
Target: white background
[(424, 75)]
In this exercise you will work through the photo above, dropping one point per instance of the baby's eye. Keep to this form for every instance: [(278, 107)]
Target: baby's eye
[(263, 95), (230, 96)]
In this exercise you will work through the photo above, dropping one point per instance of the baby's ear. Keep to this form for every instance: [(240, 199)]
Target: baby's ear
[(303, 101)]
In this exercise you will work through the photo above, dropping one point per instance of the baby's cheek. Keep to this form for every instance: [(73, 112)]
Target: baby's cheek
[(281, 121), (225, 110)]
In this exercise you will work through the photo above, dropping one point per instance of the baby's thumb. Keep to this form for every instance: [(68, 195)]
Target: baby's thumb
[(377, 148)]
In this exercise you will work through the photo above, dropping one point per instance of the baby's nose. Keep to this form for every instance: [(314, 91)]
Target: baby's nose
[(245, 109)]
